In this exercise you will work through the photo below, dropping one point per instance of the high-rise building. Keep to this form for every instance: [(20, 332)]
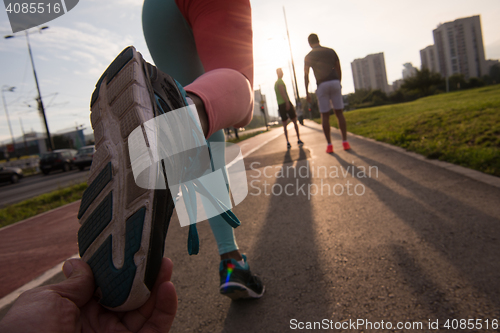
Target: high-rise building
[(369, 73), (409, 70), (429, 59), (460, 49)]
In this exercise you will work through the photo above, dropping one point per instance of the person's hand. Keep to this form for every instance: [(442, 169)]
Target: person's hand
[(288, 106), (308, 97), (69, 306)]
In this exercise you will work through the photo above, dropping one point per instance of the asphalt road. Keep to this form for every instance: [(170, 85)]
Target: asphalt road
[(368, 235), (407, 243), (39, 184)]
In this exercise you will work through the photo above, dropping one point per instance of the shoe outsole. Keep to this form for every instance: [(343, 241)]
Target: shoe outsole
[(237, 291), (122, 225)]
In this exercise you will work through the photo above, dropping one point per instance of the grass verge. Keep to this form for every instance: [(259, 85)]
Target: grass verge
[(460, 127), (40, 204)]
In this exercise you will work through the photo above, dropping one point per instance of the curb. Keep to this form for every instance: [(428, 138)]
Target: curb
[(37, 216), (474, 174)]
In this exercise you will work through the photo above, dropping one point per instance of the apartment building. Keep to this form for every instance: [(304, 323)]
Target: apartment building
[(459, 46), (429, 59), (370, 73)]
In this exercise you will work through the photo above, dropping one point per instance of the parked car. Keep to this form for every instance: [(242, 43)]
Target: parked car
[(83, 157), (60, 159), (9, 174)]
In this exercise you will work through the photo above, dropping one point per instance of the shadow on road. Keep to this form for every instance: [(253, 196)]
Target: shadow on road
[(466, 237), (287, 257)]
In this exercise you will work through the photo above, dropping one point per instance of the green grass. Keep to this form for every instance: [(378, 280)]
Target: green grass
[(460, 127), (16, 159), (45, 202)]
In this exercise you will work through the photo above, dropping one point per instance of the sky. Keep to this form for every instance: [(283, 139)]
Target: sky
[(78, 46)]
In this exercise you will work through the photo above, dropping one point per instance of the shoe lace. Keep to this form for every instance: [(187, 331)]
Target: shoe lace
[(189, 193), (189, 189)]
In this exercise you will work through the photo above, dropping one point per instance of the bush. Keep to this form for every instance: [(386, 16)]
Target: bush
[(495, 73)]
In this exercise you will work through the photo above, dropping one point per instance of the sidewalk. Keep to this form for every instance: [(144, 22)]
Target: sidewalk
[(31, 247)]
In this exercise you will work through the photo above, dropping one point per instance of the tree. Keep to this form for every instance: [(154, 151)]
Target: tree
[(475, 82), (375, 98), (356, 98), (495, 73), (457, 82), (425, 82)]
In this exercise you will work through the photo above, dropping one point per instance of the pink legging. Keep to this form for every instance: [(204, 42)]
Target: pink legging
[(222, 31)]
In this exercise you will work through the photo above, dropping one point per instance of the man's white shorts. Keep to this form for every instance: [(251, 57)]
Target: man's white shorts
[(328, 93)]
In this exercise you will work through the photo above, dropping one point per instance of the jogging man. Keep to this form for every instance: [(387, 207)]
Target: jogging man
[(285, 108), (326, 66)]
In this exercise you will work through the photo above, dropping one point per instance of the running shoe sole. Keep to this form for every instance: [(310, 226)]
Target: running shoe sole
[(237, 291), (123, 226)]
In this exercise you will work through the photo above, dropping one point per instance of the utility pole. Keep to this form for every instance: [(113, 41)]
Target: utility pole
[(11, 89), (39, 98), (24, 137), (262, 108), (291, 56)]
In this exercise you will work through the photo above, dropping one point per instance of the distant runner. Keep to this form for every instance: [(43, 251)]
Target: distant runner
[(326, 66), (285, 108)]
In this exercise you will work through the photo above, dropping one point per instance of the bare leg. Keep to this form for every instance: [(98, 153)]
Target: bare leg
[(285, 122), (296, 127), (325, 121), (342, 123)]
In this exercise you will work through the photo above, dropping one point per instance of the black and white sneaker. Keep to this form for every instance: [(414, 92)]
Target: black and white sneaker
[(123, 226), (238, 282)]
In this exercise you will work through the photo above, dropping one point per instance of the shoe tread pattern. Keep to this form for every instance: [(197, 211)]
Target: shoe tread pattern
[(99, 183), (120, 61), (95, 224), (115, 284)]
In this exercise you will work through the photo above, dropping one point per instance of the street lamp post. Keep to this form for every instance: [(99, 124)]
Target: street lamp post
[(39, 99), (11, 89), (291, 56)]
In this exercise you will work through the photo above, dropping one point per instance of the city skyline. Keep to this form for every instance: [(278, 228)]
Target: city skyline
[(71, 55)]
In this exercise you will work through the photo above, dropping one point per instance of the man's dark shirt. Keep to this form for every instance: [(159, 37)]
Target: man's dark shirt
[(322, 60)]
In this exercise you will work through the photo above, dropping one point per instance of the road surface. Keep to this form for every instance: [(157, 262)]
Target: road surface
[(32, 186), (410, 244)]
